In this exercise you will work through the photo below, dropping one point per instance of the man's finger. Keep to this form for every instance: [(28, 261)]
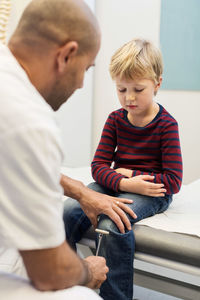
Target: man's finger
[(128, 210), (117, 220), (93, 221), (124, 200), (123, 217)]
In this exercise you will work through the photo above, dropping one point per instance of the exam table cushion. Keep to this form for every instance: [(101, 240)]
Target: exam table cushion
[(168, 245)]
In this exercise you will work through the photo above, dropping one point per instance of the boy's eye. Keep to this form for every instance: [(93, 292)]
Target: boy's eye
[(139, 90), (122, 90)]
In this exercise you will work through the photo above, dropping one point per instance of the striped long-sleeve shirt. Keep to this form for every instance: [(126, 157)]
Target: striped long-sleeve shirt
[(153, 150)]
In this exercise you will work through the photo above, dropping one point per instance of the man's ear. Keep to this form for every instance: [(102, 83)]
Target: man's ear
[(64, 54)]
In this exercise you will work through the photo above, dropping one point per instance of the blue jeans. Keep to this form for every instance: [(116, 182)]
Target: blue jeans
[(117, 248)]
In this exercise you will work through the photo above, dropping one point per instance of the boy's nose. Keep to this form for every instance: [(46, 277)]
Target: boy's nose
[(130, 97)]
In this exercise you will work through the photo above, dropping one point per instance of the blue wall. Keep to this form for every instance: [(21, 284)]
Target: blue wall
[(180, 44)]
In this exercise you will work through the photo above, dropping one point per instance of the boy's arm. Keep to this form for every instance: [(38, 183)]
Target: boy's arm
[(94, 203), (126, 172), (142, 184), (104, 156), (170, 177)]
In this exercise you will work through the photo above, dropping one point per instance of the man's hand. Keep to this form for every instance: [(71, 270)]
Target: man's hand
[(57, 268), (140, 185), (97, 269), (94, 203)]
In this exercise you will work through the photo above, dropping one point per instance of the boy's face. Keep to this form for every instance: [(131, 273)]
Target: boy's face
[(136, 96)]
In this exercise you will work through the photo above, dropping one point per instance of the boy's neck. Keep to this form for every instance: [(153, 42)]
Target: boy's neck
[(146, 118)]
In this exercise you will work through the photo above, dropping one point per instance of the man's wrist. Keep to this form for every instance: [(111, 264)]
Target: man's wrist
[(72, 188), (87, 277)]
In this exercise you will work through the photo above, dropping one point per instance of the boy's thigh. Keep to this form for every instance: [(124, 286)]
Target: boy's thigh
[(145, 206), (100, 189), (75, 221), (72, 211), (71, 205)]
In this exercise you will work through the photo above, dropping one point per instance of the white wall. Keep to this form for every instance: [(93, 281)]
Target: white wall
[(75, 116), (121, 21), (185, 107), (17, 8), (75, 120), (83, 116)]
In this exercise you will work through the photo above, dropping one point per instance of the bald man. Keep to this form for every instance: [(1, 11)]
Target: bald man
[(55, 42)]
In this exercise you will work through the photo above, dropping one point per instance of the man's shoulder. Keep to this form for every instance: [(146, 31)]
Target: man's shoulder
[(19, 113), (21, 104)]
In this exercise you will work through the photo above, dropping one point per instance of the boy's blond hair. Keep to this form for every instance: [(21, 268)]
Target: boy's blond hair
[(137, 59)]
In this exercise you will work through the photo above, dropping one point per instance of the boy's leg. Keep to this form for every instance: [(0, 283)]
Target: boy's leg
[(118, 249), (75, 220)]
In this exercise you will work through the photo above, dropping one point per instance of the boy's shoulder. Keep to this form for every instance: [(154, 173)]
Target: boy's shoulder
[(118, 113), (165, 115)]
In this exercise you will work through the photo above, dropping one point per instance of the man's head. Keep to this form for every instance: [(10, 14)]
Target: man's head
[(56, 41), (138, 59)]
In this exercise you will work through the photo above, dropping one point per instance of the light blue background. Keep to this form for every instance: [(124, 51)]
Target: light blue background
[(180, 44)]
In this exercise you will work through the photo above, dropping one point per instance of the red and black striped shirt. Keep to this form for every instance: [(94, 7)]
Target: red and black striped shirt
[(153, 149)]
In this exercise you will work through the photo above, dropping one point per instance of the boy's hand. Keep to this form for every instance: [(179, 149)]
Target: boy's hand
[(97, 269), (125, 172), (140, 185)]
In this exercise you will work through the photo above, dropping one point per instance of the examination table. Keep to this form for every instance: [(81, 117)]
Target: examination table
[(167, 257), (177, 257)]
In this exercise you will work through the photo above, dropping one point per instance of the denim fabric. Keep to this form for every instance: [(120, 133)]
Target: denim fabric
[(118, 249)]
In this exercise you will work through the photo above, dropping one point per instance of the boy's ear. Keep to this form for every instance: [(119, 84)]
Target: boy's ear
[(64, 54), (158, 85), (160, 81)]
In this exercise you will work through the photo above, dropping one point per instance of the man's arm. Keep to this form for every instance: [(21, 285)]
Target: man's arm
[(60, 268), (94, 203)]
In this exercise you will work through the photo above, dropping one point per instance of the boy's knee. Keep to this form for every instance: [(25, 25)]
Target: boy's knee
[(107, 224)]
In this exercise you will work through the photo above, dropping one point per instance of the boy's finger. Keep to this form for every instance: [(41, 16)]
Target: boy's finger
[(147, 177), (156, 185)]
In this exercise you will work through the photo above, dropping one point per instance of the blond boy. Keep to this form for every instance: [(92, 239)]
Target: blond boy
[(141, 141)]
